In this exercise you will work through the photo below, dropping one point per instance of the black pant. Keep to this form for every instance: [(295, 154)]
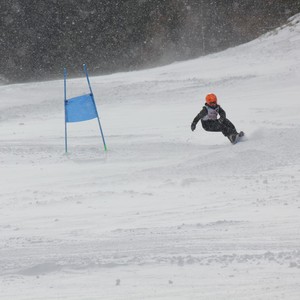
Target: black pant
[(226, 127)]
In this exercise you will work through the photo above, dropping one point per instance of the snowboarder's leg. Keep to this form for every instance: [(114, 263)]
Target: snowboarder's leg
[(228, 128), (212, 125)]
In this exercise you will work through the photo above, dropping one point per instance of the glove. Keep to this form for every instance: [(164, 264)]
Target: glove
[(193, 126)]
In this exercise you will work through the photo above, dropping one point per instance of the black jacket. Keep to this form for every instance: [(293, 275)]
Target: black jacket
[(204, 112)]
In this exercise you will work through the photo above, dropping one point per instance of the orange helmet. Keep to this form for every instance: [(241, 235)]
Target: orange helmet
[(211, 99)]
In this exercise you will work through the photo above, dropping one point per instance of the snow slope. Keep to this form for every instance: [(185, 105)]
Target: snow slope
[(165, 213)]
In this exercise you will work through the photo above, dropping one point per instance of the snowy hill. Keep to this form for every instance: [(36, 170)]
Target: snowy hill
[(166, 213)]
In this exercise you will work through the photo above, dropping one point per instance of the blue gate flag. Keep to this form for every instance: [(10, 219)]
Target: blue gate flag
[(80, 108)]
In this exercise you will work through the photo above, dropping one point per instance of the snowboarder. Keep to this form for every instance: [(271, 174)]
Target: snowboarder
[(210, 121)]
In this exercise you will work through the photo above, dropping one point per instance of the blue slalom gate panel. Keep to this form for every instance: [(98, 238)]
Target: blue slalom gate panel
[(81, 108)]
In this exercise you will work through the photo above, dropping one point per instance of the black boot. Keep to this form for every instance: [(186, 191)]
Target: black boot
[(232, 138)]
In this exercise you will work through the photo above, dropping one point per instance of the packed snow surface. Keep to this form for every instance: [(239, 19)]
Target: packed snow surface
[(165, 213)]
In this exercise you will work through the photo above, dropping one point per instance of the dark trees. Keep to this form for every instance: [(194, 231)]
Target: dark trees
[(38, 38)]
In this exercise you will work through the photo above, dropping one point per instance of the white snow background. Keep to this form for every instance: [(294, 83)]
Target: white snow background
[(165, 213)]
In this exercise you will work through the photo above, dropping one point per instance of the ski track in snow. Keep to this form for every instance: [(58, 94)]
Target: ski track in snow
[(165, 213)]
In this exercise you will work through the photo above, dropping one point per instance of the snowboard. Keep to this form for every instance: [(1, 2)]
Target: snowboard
[(238, 137)]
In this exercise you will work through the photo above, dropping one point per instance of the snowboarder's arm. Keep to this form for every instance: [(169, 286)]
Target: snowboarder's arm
[(201, 115), (222, 114)]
